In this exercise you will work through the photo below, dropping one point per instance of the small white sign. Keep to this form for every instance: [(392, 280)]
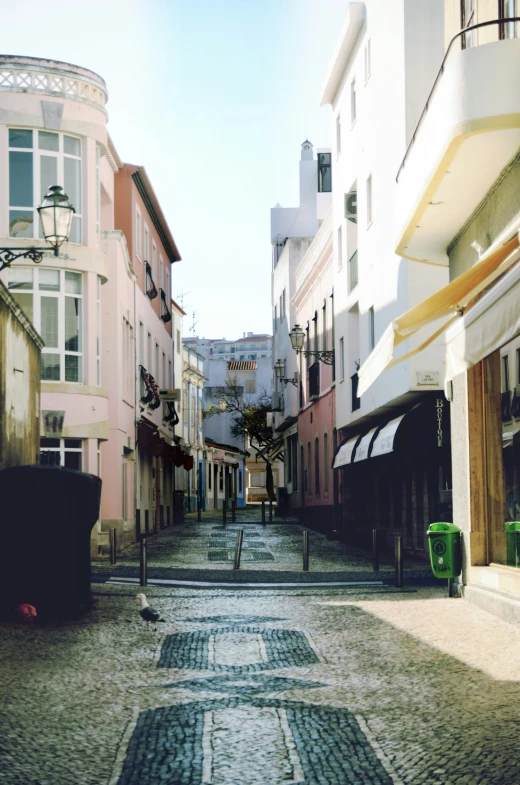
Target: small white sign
[(428, 378)]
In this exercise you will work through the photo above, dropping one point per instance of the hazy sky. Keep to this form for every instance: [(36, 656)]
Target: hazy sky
[(214, 98)]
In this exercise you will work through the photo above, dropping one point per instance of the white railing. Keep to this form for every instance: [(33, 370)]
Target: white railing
[(50, 81)]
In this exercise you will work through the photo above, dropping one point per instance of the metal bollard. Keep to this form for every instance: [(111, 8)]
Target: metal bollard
[(224, 511), (233, 511), (263, 512), (143, 562), (270, 510), (113, 546), (398, 561), (238, 549), (450, 587), (375, 552), (199, 511), (306, 551)]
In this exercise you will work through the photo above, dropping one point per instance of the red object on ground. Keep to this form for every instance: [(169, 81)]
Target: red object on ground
[(25, 612)]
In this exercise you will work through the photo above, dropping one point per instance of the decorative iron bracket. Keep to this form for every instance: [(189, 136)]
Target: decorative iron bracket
[(285, 382), (9, 255), (326, 357)]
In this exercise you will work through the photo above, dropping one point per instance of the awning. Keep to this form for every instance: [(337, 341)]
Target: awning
[(448, 304), (344, 452), (363, 448), (277, 449), (492, 322), (384, 441)]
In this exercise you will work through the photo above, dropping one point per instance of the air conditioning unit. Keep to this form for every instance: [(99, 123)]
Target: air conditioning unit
[(351, 206)]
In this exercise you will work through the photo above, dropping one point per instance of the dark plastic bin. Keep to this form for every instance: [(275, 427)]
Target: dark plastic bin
[(47, 516)]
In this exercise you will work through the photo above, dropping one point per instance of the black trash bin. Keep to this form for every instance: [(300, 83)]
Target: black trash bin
[(47, 516)]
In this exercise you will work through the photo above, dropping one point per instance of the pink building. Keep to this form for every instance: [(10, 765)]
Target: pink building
[(314, 310)]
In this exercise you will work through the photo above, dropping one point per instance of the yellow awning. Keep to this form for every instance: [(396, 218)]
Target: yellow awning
[(448, 303)]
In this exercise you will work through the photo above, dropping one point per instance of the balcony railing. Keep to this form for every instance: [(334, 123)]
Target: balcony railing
[(314, 381), (356, 402), (151, 289), (461, 34), (149, 393), (165, 311), (353, 271)]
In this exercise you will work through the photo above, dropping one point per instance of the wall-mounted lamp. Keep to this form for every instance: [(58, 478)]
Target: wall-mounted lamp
[(297, 336), (279, 370)]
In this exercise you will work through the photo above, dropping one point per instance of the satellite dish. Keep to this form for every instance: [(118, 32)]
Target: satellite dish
[(351, 206)]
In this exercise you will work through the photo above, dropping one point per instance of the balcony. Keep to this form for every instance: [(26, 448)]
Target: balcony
[(468, 132), (151, 289), (165, 311)]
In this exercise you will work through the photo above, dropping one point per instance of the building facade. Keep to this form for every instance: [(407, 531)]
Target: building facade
[(381, 72), (249, 347), (465, 162), (193, 438)]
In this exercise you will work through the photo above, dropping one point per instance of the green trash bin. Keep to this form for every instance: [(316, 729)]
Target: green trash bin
[(513, 543), (445, 543)]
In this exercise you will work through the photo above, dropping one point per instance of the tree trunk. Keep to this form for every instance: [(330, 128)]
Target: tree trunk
[(269, 482)]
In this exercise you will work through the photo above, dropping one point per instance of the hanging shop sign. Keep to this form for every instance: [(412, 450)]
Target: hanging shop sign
[(188, 462)]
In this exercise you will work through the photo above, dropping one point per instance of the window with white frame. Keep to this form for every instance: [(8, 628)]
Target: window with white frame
[(63, 452), (250, 386), (340, 247), (368, 61), (98, 196), (154, 262), (164, 382), (142, 358), (98, 331), (37, 160), (128, 361), (353, 108), (342, 359), (161, 273), (156, 364), (149, 354), (53, 301), (167, 286), (324, 326), (371, 328), (146, 250), (138, 240), (338, 134), (369, 200)]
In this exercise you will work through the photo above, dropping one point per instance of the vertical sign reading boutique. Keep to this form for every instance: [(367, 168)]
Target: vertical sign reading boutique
[(439, 410)]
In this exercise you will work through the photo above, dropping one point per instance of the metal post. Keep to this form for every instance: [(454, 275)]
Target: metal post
[(398, 562), (270, 510), (238, 549), (233, 511), (224, 511), (263, 512), (143, 562), (306, 551), (113, 546), (375, 552), (450, 587), (199, 511)]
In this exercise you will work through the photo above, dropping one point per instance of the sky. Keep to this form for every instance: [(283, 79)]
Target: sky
[(213, 98)]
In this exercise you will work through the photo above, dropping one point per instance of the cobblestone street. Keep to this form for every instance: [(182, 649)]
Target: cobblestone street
[(361, 684)]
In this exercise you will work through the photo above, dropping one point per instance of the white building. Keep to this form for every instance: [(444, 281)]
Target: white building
[(379, 77), (250, 347), (292, 232)]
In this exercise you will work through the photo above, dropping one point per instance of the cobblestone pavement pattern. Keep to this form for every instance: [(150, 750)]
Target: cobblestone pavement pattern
[(250, 687)]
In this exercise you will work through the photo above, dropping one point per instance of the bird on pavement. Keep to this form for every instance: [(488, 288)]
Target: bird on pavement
[(148, 613)]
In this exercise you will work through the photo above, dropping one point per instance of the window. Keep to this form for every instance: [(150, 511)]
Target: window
[(240, 480), (221, 478), (98, 196), (467, 14), (53, 301), (210, 472), (309, 469), (275, 317), (317, 466), (281, 314), (353, 102), (293, 440), (369, 200), (98, 331), (340, 248), (61, 452), (128, 361), (505, 373), (178, 341), (341, 359), (154, 261), (338, 135), (315, 342), (161, 273), (508, 9), (283, 305), (250, 386), (170, 378), (37, 160), (149, 353), (146, 250), (167, 287), (164, 382), (324, 326), (124, 489), (371, 328), (138, 241), (324, 173), (326, 464), (368, 61), (142, 358), (156, 364)]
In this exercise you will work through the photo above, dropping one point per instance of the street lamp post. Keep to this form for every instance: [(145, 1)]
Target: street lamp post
[(297, 337), (55, 214)]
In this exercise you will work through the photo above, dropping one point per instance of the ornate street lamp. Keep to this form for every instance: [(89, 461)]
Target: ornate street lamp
[(55, 214), (279, 370), (297, 336)]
